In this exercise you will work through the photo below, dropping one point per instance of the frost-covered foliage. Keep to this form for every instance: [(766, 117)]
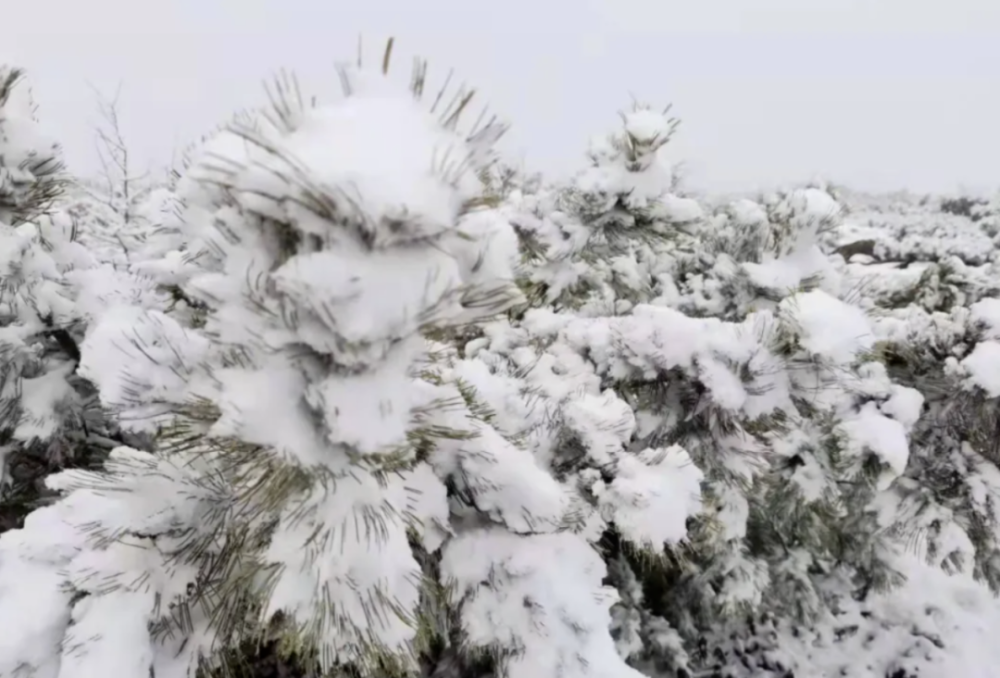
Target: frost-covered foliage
[(116, 240), (48, 415), (934, 625), (327, 471), (796, 432), (750, 255), (377, 404), (842, 414), (936, 325), (30, 166), (932, 317), (593, 246), (933, 321), (910, 229), (734, 336)]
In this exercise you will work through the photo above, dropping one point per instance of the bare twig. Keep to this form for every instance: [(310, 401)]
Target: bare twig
[(117, 170)]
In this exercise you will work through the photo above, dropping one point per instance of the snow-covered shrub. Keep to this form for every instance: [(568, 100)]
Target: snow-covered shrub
[(750, 255), (382, 406), (737, 338), (595, 242), (933, 321), (937, 334), (114, 240), (934, 625), (796, 432), (987, 215), (326, 473), (48, 414), (918, 230)]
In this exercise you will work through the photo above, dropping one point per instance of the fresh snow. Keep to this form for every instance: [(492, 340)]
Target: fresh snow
[(347, 383)]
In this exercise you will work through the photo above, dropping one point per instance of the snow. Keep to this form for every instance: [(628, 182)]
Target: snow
[(603, 423), (383, 565), (828, 326), (652, 496), (987, 312), (40, 398), (886, 438), (983, 365), (401, 187), (905, 405), (646, 124), (415, 408), (140, 361), (23, 142), (385, 294), (935, 625), (814, 203), (532, 597)]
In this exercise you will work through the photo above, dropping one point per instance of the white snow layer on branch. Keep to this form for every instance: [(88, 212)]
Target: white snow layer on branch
[(42, 307), (326, 246), (744, 370), (24, 147)]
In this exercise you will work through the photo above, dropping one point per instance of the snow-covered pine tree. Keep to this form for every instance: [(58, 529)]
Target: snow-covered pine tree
[(104, 231), (596, 242), (813, 534), (32, 167), (936, 322), (796, 432), (752, 254), (324, 474), (987, 215), (782, 421), (911, 229), (47, 414), (932, 317)]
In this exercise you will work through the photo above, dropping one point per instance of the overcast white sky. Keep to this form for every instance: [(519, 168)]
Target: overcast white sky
[(879, 94)]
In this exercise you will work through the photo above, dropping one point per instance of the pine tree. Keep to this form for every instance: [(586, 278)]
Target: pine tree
[(48, 415), (932, 318), (915, 230), (600, 238), (937, 331), (329, 473), (728, 354)]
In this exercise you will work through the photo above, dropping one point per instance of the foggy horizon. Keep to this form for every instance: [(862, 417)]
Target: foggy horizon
[(878, 96)]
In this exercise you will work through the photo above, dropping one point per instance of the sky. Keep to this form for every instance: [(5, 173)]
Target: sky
[(875, 94)]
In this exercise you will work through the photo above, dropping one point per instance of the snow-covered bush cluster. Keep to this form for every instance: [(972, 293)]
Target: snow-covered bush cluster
[(52, 288), (348, 397), (918, 229)]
